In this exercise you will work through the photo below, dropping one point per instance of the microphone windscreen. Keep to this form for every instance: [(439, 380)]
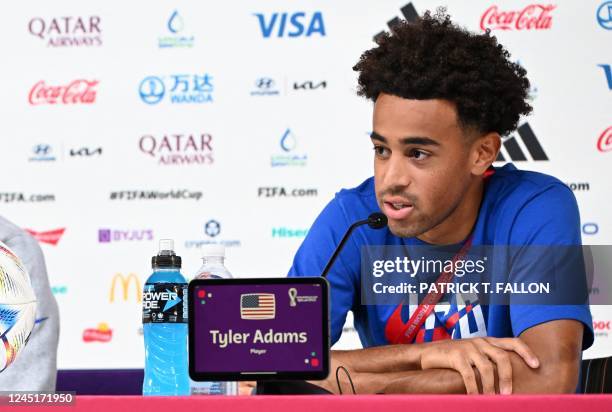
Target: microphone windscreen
[(377, 220)]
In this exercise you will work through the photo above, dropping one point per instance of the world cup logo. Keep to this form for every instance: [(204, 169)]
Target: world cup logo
[(292, 295)]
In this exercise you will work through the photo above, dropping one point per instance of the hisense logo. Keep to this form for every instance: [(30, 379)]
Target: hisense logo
[(284, 232)]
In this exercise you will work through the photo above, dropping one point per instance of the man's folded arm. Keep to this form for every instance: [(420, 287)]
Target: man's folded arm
[(557, 345), (397, 369)]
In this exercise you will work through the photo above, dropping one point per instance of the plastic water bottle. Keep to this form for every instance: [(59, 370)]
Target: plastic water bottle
[(213, 267), (164, 318)]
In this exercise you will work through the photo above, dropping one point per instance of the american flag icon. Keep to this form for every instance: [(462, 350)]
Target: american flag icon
[(257, 306)]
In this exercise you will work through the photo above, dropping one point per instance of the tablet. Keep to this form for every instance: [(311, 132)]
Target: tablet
[(258, 329)]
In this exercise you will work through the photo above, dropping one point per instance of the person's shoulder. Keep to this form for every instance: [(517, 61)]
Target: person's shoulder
[(525, 207), (510, 184), (20, 241), (357, 200), (363, 192)]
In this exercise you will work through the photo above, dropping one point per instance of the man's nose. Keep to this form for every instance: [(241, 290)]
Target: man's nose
[(397, 174)]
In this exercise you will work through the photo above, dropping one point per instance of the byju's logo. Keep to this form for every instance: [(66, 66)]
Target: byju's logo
[(184, 89), (309, 85), (514, 151), (67, 31), (113, 235), (608, 72), (42, 153), (604, 143), (176, 38), (410, 15), (178, 149), (265, 86), (604, 15), (288, 143), (298, 24)]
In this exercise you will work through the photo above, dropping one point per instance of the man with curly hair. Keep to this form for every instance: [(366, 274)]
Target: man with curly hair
[(443, 97)]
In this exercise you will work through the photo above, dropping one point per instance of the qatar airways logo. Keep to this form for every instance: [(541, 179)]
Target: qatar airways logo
[(67, 31), (532, 17), (178, 148), (79, 91)]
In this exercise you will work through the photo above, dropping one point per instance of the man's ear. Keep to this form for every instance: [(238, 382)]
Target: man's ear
[(484, 152)]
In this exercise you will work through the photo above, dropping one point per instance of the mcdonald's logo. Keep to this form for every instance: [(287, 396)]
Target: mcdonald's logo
[(125, 282)]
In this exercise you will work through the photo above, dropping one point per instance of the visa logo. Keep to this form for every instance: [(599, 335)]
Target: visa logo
[(291, 24)]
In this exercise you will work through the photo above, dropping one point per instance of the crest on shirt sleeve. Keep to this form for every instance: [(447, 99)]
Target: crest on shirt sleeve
[(457, 317)]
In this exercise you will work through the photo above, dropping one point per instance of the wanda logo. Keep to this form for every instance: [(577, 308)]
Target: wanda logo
[(78, 91), (533, 17)]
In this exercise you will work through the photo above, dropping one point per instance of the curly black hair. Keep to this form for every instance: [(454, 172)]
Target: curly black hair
[(433, 58)]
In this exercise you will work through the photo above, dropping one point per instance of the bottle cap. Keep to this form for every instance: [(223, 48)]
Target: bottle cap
[(166, 258), (166, 245), (213, 250)]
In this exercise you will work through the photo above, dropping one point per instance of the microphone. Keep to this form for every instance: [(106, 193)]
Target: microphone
[(376, 220)]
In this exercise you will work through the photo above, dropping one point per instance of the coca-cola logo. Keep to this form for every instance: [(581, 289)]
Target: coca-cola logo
[(602, 325), (532, 17), (604, 143), (78, 91), (178, 149), (67, 31)]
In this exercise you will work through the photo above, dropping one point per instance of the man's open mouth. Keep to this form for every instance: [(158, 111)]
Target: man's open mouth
[(397, 209)]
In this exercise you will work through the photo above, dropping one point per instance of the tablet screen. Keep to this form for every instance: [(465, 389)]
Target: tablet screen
[(257, 329)]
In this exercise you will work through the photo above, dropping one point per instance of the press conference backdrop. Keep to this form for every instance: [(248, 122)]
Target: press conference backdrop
[(205, 122)]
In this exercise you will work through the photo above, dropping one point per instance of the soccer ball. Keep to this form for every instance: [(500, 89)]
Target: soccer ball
[(17, 306)]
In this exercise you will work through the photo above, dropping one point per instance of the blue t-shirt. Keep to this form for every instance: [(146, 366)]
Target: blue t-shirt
[(518, 208)]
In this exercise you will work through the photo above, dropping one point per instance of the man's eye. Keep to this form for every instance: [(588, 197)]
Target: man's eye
[(381, 151), (418, 154)]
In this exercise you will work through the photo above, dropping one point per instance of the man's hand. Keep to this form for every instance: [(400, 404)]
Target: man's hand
[(330, 384), (487, 355), (246, 387)]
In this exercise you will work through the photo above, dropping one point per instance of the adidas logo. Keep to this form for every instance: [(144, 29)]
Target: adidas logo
[(410, 15), (513, 150)]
